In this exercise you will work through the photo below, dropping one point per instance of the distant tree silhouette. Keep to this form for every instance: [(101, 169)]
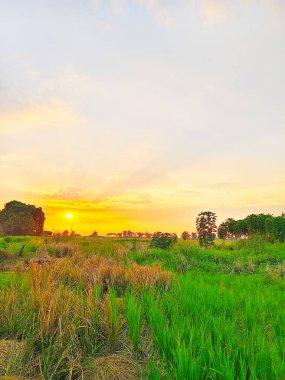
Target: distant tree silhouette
[(185, 235), (18, 218), (128, 234), (73, 233)]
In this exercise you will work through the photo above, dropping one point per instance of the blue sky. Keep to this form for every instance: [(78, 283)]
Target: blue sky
[(139, 114)]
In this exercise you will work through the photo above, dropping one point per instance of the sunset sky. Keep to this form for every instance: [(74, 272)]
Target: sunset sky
[(139, 114)]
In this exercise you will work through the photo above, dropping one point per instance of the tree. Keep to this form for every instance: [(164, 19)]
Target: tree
[(206, 228), (256, 223), (223, 231), (163, 240), (275, 228), (18, 218), (239, 228), (185, 235), (128, 234), (226, 229)]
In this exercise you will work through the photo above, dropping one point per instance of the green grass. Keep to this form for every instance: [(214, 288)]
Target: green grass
[(134, 319), (222, 317), (5, 279), (219, 327)]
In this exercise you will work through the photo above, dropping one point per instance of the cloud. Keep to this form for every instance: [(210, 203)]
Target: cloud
[(156, 7), (214, 10), (132, 181), (67, 194), (160, 11), (119, 5), (56, 114)]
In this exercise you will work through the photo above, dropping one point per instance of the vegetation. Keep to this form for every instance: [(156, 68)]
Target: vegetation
[(95, 308), (185, 235), (206, 228), (273, 228), (163, 240), (18, 218)]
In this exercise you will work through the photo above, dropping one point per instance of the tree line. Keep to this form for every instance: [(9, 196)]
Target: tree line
[(18, 218), (271, 227)]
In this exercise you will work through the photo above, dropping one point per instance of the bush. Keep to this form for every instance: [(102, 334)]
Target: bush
[(163, 240), (256, 243)]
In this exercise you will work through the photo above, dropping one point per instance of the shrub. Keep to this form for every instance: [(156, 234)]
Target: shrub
[(163, 240), (256, 243)]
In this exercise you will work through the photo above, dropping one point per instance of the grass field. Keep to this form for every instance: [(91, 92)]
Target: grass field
[(98, 308)]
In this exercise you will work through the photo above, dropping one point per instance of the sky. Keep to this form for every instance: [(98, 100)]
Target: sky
[(139, 114)]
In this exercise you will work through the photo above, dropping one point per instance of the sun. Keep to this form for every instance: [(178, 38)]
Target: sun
[(68, 215)]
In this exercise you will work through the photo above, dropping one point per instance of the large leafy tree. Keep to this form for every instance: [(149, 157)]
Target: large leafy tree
[(240, 228), (206, 228), (275, 228), (18, 218), (256, 223)]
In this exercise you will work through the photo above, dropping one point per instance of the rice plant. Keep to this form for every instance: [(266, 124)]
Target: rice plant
[(134, 319)]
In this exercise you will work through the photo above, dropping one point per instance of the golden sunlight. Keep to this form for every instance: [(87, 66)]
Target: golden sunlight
[(68, 215)]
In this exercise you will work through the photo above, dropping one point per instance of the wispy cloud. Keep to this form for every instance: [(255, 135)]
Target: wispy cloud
[(55, 114)]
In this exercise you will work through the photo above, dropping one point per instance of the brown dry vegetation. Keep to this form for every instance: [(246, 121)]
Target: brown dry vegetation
[(70, 309)]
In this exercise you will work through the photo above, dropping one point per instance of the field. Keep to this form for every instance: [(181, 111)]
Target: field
[(100, 308)]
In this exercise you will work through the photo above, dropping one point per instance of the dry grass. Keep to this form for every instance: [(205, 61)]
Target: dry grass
[(113, 367), (74, 309), (9, 351), (147, 276), (87, 272), (112, 321), (15, 378)]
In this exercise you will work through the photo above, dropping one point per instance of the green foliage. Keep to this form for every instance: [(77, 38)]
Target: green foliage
[(225, 229), (256, 243), (275, 228), (18, 218), (206, 228), (255, 224), (163, 240), (133, 314), (222, 231)]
